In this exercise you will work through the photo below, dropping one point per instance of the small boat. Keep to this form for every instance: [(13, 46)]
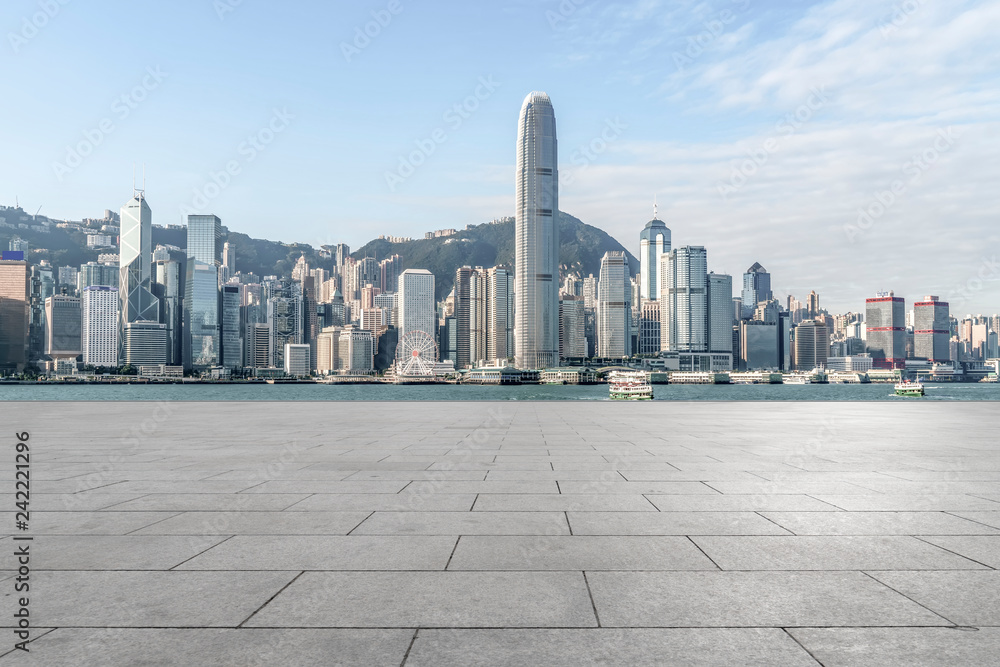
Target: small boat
[(629, 386), (907, 388)]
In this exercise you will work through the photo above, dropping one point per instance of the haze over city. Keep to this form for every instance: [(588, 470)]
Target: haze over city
[(763, 130)]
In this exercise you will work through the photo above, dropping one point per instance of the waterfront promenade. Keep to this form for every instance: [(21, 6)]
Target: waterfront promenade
[(508, 533)]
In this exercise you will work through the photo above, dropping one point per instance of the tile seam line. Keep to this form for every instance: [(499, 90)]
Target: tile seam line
[(413, 640), (268, 601), (201, 552), (920, 537), (590, 594), (802, 646), (919, 604)]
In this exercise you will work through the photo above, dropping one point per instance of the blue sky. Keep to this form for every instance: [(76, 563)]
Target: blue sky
[(849, 146)]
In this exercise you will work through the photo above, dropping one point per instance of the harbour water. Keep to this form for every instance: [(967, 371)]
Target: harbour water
[(386, 392)]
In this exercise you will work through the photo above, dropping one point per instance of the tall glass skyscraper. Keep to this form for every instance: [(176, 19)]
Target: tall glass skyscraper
[(654, 241), (204, 232), (684, 300), (536, 286), (135, 258), (756, 288), (614, 307)]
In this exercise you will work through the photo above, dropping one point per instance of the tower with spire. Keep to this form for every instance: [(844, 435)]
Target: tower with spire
[(654, 241)]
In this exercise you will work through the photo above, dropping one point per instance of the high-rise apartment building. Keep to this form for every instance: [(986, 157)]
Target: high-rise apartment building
[(536, 327)]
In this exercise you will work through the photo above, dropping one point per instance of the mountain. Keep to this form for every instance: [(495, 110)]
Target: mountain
[(489, 244), (492, 244)]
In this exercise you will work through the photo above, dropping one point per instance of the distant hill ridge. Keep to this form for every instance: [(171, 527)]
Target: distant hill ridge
[(488, 244)]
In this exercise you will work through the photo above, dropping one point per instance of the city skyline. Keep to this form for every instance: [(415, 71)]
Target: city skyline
[(699, 99)]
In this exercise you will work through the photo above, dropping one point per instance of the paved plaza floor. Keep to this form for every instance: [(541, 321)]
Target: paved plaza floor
[(549, 533)]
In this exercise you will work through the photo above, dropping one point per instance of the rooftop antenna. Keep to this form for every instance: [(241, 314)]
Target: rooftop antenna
[(656, 215)]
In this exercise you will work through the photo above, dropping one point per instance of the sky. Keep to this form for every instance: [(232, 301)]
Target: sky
[(849, 146)]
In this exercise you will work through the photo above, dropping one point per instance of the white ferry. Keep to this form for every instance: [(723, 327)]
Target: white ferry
[(907, 388), (629, 386)]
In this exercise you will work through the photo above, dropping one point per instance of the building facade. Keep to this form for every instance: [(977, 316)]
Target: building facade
[(536, 313), (684, 300), (99, 326), (614, 307), (885, 327), (654, 242), (931, 329)]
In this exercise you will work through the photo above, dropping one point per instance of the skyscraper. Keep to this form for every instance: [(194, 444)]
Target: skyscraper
[(614, 307), (654, 241), (885, 323), (99, 325), (720, 313), (572, 338), (684, 300), (228, 262), (201, 316), (536, 312), (756, 288), (203, 235), (232, 349), (135, 259), (812, 345), (416, 302), (14, 316), (62, 326), (931, 330)]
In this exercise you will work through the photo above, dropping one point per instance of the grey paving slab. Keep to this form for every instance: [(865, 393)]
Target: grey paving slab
[(984, 549), (672, 523), (888, 647), (678, 488), (306, 486), (246, 647), (874, 502), (172, 486), (464, 523), (93, 523), (701, 647), (257, 523), (323, 552), (557, 475), (808, 488), (672, 475), (435, 599), (740, 503), (578, 552), (877, 523), (991, 519), (75, 502), (757, 599), (213, 502), (399, 502), (806, 552), (973, 599), (151, 599), (418, 475), (452, 487), (606, 502), (115, 552)]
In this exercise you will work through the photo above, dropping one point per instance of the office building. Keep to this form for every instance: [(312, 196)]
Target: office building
[(654, 242), (204, 235), (14, 314), (296, 358), (684, 300), (145, 343), (169, 276), (62, 327), (572, 328), (756, 288), (138, 304), (649, 327), (720, 313), (931, 330), (356, 351), (885, 330), (812, 345), (94, 273), (201, 316), (759, 346), (99, 326), (536, 312), (416, 303), (614, 307), (232, 348)]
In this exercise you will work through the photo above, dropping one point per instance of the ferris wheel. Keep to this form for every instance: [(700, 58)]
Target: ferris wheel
[(416, 354)]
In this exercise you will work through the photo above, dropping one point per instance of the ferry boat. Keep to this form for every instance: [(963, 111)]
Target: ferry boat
[(629, 386), (907, 388)]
